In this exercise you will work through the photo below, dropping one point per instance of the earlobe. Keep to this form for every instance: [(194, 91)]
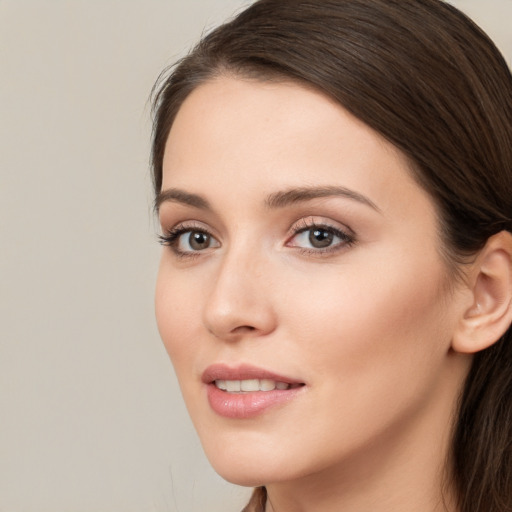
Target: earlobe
[(489, 315)]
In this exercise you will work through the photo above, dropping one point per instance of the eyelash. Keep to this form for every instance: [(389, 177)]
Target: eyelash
[(307, 224), (171, 238)]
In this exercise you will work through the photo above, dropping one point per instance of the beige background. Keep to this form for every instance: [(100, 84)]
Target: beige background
[(90, 415)]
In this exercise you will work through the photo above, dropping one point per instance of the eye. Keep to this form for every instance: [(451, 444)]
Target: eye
[(186, 241), (194, 241), (319, 238)]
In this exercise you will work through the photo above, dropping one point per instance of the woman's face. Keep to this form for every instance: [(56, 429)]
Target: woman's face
[(301, 293)]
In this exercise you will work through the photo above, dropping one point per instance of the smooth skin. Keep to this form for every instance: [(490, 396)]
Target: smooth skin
[(298, 241)]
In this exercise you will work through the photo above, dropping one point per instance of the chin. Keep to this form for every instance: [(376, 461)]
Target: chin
[(254, 476), (249, 468), (248, 479)]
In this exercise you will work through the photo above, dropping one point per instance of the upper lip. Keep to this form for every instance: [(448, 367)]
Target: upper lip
[(242, 372)]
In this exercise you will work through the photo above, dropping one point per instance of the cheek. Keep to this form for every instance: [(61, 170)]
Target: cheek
[(367, 328), (177, 313), (374, 347)]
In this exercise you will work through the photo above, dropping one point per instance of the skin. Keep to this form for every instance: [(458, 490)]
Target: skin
[(367, 325)]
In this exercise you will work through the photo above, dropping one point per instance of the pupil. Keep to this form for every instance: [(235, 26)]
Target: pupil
[(199, 240), (320, 238)]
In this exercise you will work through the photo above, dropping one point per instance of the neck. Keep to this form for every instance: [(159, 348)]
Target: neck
[(402, 487)]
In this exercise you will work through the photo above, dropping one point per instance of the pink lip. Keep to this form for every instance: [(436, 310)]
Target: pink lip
[(249, 404), (242, 372)]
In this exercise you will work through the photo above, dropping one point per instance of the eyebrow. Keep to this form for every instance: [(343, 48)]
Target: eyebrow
[(275, 200), (176, 195), (301, 194)]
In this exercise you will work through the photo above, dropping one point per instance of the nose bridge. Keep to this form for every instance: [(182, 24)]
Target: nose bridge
[(239, 302)]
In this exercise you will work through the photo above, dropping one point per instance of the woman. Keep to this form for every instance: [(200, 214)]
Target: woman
[(334, 180)]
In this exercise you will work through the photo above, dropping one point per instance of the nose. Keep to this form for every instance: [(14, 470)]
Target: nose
[(240, 302)]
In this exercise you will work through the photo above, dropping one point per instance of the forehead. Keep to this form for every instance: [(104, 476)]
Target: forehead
[(273, 135)]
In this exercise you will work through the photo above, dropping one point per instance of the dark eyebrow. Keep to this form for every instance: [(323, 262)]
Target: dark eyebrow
[(275, 200), (301, 194), (176, 195)]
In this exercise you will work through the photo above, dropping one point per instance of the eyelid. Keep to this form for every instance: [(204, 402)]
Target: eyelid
[(313, 221), (170, 237), (344, 232)]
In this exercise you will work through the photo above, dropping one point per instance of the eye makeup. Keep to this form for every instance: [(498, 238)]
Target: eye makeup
[(309, 235), (318, 237), (188, 239)]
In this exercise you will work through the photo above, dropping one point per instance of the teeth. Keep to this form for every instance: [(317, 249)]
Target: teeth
[(233, 385), (250, 385), (221, 384), (267, 385)]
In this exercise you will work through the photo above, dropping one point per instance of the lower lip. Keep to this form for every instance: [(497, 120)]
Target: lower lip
[(249, 404)]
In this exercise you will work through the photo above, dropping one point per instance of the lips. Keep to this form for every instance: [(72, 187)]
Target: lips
[(242, 372), (246, 391)]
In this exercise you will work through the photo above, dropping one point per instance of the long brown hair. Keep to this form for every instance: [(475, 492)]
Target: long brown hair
[(432, 83)]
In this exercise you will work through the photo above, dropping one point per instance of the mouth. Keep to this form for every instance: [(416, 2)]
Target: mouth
[(252, 385), (245, 391)]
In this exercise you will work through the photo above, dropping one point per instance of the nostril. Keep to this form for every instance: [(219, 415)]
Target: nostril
[(244, 328), (235, 332)]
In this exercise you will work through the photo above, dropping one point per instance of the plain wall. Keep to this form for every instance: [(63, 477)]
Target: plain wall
[(91, 418)]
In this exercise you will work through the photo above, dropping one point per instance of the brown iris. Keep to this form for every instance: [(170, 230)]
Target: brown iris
[(199, 240), (320, 238)]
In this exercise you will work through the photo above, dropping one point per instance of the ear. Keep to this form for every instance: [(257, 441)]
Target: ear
[(489, 314)]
